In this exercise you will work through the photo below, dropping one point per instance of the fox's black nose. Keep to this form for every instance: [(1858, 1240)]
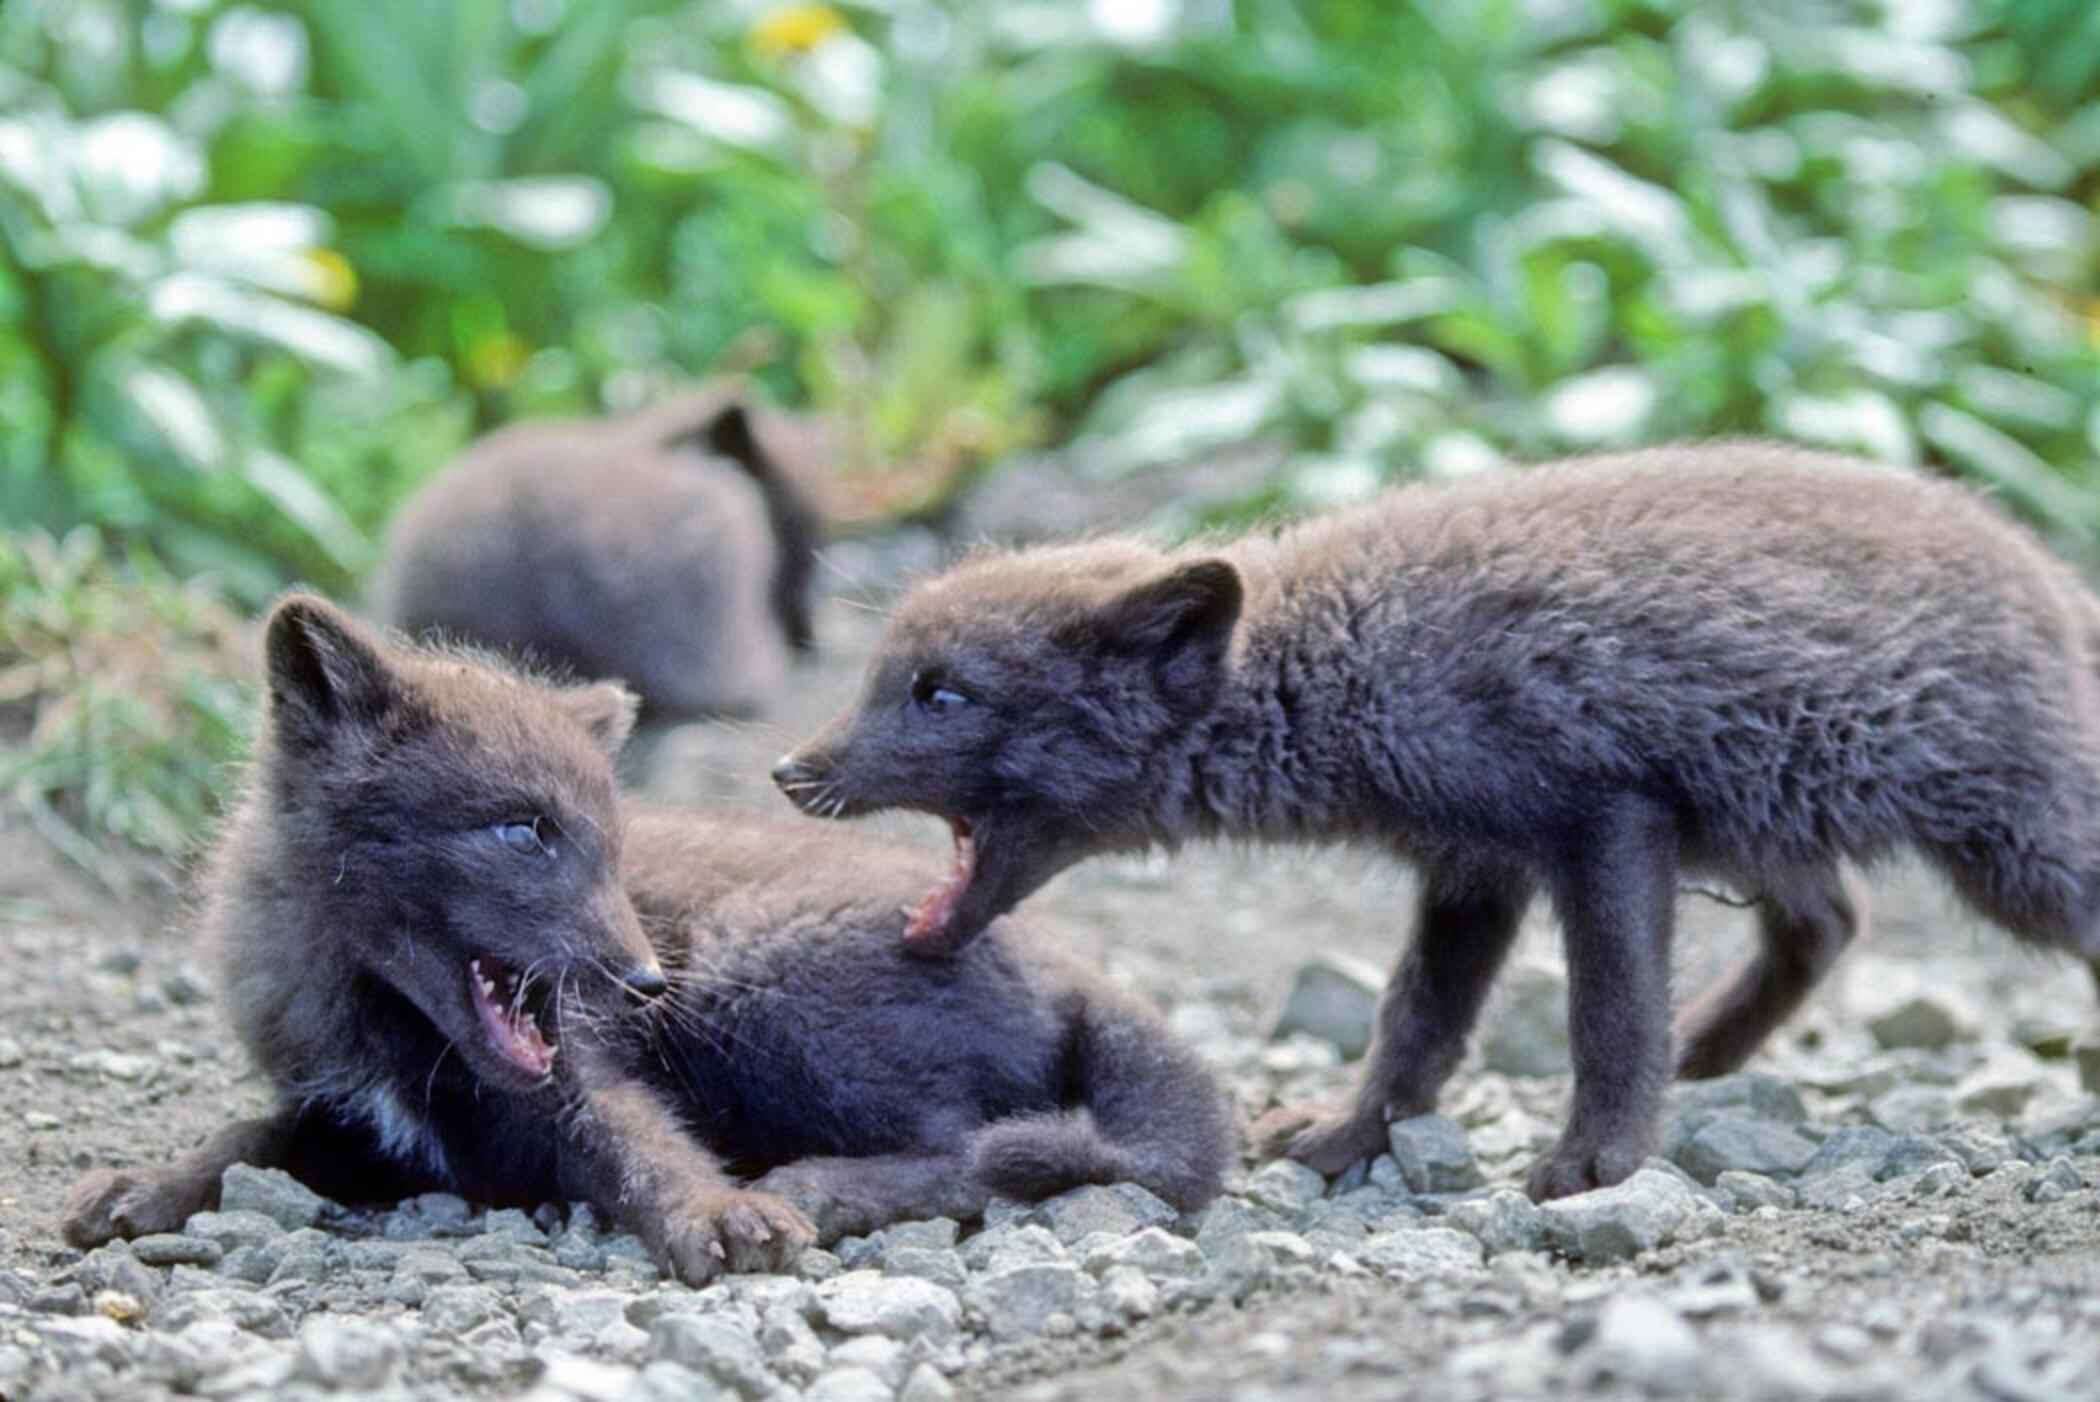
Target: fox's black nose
[(646, 981), (788, 771)]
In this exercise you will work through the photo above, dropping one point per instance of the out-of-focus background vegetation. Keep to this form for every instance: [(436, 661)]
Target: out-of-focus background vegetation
[(265, 265)]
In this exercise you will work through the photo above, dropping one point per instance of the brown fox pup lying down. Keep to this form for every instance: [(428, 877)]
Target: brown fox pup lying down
[(464, 966), (1585, 680)]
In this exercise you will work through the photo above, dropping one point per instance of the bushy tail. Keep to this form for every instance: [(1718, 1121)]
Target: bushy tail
[(1146, 1112)]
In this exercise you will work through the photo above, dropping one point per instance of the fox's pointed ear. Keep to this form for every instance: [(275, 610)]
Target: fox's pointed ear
[(1181, 622), (731, 434), (607, 710), (325, 670)]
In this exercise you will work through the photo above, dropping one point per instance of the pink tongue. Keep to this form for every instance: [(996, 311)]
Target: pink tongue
[(514, 1033), (929, 919)]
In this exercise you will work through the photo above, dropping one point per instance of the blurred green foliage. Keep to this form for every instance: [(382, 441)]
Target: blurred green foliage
[(264, 264), (123, 704)]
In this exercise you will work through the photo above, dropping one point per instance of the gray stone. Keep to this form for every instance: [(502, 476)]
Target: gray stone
[(665, 1381), (514, 1225), (175, 1249), (348, 1354), (926, 1385), (566, 1377), (933, 1233), (1018, 1301), (1979, 1151), (1504, 1220), (250, 1311), (1713, 1288), (114, 1268), (1155, 1252), (1749, 1191), (456, 1310), (1636, 1338), (1286, 1186), (1941, 1180), (305, 1254), (1229, 1218), (273, 1193), (1420, 1251), (2087, 1055), (1912, 1153), (818, 1264), (942, 1267), (1732, 1142), (1433, 1155), (1129, 1293), (1862, 1146), (1909, 1109), (1921, 1019), (1012, 1244), (1749, 1094), (1526, 1027), (1333, 997), (1119, 1207), (2056, 1179), (2001, 1092), (716, 1347), (579, 1312), (78, 1342), (1649, 1209), (1834, 1189), (866, 1302), (233, 1230), (790, 1344), (848, 1385), (887, 1359)]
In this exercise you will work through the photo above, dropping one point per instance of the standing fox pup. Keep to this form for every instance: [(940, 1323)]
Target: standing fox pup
[(463, 966), (671, 549), (1587, 679)]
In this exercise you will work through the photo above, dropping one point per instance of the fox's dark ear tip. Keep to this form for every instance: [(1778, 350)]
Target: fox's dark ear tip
[(301, 610), (1215, 576)]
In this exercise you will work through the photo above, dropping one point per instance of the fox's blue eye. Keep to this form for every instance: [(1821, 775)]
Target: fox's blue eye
[(522, 837), (928, 694)]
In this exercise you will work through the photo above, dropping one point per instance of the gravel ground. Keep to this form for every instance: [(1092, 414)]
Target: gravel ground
[(1897, 1201)]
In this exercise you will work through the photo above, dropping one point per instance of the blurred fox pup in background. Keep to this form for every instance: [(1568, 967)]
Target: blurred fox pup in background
[(670, 549)]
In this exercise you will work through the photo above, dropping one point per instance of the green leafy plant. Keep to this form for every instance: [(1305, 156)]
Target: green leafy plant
[(123, 703)]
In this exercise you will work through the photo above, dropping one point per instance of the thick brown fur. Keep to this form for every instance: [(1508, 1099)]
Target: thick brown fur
[(670, 549), (727, 996), (1584, 680)]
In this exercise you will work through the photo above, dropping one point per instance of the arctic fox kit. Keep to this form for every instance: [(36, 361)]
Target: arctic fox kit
[(1586, 679), (670, 549), (463, 964)]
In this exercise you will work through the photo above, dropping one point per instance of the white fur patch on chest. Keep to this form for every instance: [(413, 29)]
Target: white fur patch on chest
[(403, 1134)]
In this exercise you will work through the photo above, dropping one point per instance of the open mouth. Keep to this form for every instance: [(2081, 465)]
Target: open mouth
[(928, 928), (510, 1010)]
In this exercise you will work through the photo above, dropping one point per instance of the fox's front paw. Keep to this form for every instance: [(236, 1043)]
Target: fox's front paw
[(1582, 1162), (732, 1229), (106, 1205), (1321, 1137)]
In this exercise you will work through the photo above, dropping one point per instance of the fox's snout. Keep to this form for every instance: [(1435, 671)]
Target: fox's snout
[(807, 776)]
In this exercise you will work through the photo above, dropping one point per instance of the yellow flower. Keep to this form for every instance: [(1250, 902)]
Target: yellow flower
[(331, 281), (495, 361), (795, 29)]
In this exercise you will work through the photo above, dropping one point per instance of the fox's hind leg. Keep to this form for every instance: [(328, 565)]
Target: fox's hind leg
[(1465, 922), (1803, 925), (855, 1196), (110, 1203), (1144, 1110)]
